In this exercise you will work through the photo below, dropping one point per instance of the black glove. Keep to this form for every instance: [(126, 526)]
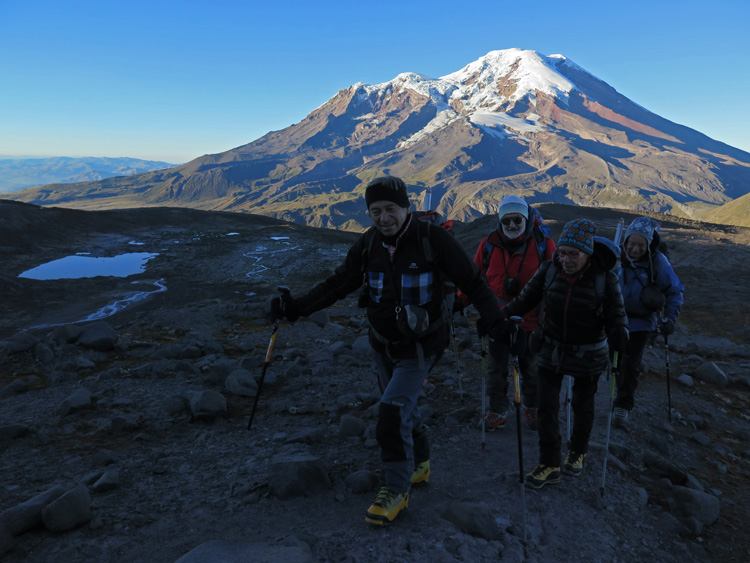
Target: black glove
[(618, 340), (666, 327), (518, 347), (458, 306), (482, 328), (499, 332), (284, 306)]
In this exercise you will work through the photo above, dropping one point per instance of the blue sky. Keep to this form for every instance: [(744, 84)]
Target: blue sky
[(173, 80)]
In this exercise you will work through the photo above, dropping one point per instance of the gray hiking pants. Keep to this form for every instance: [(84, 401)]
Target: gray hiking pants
[(400, 432)]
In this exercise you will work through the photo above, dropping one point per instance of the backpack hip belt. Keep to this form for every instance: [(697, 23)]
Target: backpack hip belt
[(576, 347)]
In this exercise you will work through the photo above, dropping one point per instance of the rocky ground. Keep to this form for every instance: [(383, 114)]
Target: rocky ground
[(121, 439)]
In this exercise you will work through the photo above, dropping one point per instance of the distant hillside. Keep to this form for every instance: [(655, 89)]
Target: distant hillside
[(735, 212), (19, 173)]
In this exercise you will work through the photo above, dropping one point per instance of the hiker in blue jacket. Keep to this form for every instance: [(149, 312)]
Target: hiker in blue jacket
[(653, 297), (404, 296)]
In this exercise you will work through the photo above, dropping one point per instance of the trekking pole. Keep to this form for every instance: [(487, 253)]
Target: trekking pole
[(517, 400), (618, 231), (484, 384), (669, 393), (568, 399), (459, 374), (284, 291), (612, 385)]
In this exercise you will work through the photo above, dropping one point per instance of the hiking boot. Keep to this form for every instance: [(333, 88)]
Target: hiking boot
[(421, 474), (494, 420), (543, 475), (532, 420), (573, 464), (386, 507), (620, 417)]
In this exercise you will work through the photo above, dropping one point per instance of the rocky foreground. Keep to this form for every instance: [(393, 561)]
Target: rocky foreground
[(126, 439)]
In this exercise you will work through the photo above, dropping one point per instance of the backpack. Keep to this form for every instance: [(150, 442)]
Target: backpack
[(433, 217), (539, 231)]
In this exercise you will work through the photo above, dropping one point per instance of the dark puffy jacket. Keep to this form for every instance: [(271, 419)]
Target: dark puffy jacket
[(413, 279), (634, 276), (577, 319)]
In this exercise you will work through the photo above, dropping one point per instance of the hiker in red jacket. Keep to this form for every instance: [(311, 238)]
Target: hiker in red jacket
[(509, 256)]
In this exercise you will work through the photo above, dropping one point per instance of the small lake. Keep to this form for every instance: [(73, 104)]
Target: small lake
[(75, 267)]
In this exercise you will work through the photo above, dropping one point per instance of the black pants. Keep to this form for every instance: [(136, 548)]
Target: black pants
[(584, 391), (630, 364)]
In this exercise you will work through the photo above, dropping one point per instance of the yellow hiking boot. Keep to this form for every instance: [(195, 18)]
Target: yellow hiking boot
[(386, 507), (421, 473), (573, 464), (543, 475)]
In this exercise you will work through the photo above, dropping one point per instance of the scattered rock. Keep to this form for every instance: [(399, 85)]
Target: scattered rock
[(68, 511), (207, 404), (297, 474), (79, 399), (241, 382), (472, 518), (110, 480), (351, 425), (689, 503), (28, 515), (234, 551), (711, 373)]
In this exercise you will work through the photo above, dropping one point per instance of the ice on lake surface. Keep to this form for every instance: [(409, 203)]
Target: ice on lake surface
[(77, 266)]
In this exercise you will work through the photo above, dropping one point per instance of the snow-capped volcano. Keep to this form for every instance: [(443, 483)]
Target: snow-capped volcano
[(485, 90), (513, 121)]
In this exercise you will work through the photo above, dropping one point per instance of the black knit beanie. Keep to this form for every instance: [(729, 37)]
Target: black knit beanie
[(387, 188)]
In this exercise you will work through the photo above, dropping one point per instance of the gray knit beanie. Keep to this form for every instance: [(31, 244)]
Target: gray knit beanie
[(644, 226)]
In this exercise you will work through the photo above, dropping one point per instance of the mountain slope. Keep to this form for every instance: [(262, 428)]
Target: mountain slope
[(512, 121), (736, 212)]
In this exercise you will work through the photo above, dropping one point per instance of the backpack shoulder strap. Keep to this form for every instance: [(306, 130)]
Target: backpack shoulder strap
[(367, 248), (600, 287), (541, 242), (427, 248), (488, 248)]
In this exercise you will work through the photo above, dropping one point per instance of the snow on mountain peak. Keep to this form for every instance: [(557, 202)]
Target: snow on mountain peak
[(490, 85), (508, 75), (490, 82)]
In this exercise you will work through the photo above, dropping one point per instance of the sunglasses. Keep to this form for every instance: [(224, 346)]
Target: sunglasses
[(571, 254), (508, 220)]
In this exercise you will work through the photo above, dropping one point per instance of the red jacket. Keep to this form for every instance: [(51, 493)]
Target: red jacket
[(520, 264)]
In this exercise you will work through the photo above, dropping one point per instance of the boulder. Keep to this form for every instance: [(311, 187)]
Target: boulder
[(68, 511), (28, 515), (99, 336), (297, 474)]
